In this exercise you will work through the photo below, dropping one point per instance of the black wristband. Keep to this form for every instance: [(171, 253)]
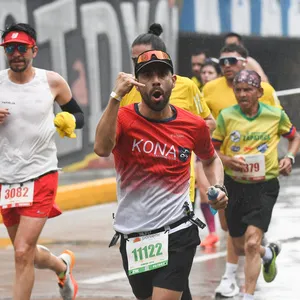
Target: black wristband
[(222, 188)]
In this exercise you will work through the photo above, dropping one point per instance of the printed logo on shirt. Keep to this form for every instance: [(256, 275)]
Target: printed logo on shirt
[(235, 136), (257, 136), (263, 148), (155, 148), (235, 148), (184, 154), (247, 148)]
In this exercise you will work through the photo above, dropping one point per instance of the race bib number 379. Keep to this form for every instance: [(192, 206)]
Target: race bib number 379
[(16, 195), (146, 253), (255, 169)]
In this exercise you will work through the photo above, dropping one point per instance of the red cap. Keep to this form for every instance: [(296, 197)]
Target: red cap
[(18, 37)]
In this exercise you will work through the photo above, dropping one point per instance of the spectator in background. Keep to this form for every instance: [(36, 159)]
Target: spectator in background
[(252, 64), (197, 60), (209, 71)]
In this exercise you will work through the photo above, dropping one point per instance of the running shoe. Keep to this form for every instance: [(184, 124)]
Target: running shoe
[(68, 286), (210, 240), (227, 288), (270, 268)]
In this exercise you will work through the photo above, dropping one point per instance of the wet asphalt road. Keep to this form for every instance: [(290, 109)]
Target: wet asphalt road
[(99, 272)]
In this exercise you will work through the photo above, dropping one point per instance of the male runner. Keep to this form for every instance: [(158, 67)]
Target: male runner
[(252, 64), (246, 139), (218, 95), (152, 142), (185, 95), (28, 159)]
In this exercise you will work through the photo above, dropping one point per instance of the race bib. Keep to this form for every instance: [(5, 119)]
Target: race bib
[(17, 195), (255, 168), (146, 253)]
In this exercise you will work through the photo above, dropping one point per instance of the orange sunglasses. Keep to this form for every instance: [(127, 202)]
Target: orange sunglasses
[(147, 56)]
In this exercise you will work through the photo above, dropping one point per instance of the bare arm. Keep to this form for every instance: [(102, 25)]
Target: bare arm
[(59, 88), (232, 163), (214, 172), (213, 169), (252, 64), (211, 123), (285, 164), (105, 138)]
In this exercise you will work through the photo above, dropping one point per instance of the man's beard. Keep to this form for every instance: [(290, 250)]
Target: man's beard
[(18, 69), (156, 106)]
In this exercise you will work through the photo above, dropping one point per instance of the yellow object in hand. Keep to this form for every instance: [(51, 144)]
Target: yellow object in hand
[(65, 124)]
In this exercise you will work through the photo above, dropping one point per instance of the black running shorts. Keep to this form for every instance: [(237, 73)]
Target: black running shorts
[(249, 204), (182, 248)]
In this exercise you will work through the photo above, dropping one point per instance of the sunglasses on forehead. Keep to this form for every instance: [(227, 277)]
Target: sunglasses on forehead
[(224, 61), (147, 56), (22, 48)]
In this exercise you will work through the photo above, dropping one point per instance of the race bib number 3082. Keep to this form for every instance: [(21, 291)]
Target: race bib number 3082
[(146, 253), (17, 195)]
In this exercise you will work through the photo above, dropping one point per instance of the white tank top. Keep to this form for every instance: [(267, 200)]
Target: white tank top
[(27, 146)]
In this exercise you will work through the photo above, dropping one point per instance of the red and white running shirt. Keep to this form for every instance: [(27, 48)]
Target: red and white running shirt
[(152, 160)]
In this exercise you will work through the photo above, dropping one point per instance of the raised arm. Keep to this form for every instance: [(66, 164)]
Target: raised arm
[(106, 130)]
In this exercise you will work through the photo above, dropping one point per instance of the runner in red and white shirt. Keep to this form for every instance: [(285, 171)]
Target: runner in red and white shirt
[(152, 142)]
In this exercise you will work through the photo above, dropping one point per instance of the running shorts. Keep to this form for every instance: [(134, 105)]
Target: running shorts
[(174, 276), (249, 204), (43, 205)]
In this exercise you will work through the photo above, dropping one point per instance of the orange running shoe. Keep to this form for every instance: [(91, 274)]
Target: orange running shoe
[(68, 287), (210, 240)]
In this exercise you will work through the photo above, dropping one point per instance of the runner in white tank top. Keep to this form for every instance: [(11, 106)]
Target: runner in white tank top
[(28, 158)]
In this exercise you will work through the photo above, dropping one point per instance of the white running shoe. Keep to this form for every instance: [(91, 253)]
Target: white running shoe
[(227, 288), (68, 286)]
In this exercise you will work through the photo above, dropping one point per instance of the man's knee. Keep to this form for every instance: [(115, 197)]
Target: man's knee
[(252, 246), (253, 240), (24, 254)]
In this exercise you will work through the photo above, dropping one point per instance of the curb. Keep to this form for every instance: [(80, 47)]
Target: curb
[(85, 194)]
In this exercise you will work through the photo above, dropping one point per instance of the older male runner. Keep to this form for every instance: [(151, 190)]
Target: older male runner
[(246, 139)]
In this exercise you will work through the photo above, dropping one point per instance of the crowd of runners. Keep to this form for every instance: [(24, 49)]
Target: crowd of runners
[(172, 137)]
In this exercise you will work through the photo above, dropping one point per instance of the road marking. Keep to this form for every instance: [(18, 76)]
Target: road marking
[(121, 275)]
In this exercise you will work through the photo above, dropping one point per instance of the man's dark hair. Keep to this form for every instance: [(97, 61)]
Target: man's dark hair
[(235, 48), (151, 38), (20, 27), (233, 34), (199, 52)]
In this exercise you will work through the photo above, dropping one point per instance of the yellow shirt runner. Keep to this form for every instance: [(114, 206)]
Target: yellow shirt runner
[(255, 139), (219, 95)]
